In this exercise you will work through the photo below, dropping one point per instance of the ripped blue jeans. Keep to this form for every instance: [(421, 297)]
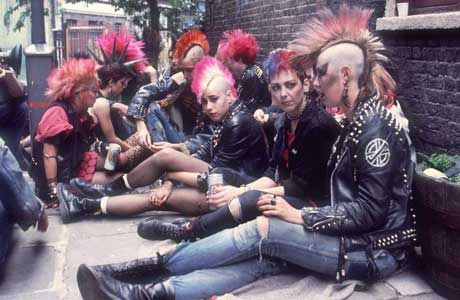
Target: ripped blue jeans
[(160, 128), (235, 257)]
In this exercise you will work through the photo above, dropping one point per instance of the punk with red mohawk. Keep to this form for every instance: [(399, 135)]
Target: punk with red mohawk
[(238, 51), (189, 39)]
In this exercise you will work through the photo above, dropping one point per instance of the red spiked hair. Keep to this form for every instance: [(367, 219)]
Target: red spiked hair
[(239, 45), (133, 51), (189, 39), (72, 76)]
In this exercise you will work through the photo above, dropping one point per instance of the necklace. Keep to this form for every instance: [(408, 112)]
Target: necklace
[(305, 101)]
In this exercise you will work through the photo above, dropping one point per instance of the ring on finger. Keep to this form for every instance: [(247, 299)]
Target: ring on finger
[(273, 200)]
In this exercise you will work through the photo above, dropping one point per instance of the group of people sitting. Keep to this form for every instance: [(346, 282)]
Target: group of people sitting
[(328, 193)]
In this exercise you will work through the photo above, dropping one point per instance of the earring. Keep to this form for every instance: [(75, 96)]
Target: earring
[(345, 93)]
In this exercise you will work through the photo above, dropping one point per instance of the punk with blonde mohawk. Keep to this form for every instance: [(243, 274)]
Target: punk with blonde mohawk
[(207, 70), (348, 25), (72, 76)]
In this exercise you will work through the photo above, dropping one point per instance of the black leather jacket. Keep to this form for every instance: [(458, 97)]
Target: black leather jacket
[(237, 143), (306, 172), (371, 180), (253, 89)]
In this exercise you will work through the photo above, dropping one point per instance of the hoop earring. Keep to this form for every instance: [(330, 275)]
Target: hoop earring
[(345, 94)]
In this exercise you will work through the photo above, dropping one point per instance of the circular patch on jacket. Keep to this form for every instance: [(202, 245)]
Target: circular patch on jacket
[(377, 153)]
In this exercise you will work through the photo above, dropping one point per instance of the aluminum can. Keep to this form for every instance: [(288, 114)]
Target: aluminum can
[(214, 180), (112, 156)]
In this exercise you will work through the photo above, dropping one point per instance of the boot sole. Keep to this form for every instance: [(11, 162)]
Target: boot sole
[(89, 286), (63, 208)]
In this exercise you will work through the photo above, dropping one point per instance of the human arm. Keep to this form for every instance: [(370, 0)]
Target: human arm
[(273, 206)]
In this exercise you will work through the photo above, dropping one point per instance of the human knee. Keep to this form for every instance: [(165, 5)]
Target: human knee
[(163, 157), (263, 226)]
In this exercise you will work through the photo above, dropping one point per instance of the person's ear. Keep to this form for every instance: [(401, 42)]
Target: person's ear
[(345, 73), (229, 96), (306, 85)]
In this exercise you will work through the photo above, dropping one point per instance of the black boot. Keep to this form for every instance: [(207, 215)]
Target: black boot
[(99, 286), (153, 229), (98, 190), (134, 268), (72, 205)]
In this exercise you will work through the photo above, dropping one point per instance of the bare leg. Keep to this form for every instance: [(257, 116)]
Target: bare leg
[(188, 201), (166, 160), (105, 177)]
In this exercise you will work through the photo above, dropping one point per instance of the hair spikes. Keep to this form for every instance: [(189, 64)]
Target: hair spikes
[(71, 76), (205, 71), (189, 39), (239, 45), (122, 48), (278, 60), (348, 25)]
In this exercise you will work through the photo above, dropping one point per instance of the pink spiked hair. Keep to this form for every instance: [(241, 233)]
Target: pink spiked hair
[(122, 40), (72, 76), (348, 25), (207, 70), (239, 45)]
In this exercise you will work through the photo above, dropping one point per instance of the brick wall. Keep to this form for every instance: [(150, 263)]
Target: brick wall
[(425, 64)]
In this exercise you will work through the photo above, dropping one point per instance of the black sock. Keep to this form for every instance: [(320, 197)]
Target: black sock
[(213, 222), (118, 184)]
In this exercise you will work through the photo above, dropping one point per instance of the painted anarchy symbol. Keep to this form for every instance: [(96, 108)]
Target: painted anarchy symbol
[(377, 153)]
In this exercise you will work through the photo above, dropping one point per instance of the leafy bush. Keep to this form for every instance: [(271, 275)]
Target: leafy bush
[(440, 162)]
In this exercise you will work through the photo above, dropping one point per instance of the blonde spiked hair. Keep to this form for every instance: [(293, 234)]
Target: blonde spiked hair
[(348, 25)]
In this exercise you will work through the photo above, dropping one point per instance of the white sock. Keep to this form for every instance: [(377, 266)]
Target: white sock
[(104, 205), (125, 180)]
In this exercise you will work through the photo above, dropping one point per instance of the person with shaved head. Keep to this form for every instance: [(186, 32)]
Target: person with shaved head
[(237, 144), (367, 229)]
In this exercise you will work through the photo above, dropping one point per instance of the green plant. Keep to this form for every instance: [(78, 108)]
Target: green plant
[(455, 178), (440, 162)]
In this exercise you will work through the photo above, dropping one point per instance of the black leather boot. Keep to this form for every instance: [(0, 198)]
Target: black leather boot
[(134, 268), (72, 205), (98, 190), (99, 286), (154, 229)]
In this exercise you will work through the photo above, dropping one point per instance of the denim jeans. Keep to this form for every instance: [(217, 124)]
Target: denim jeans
[(160, 128), (13, 121), (234, 257), (18, 203)]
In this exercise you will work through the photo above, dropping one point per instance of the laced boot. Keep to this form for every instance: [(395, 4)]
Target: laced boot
[(73, 206), (99, 286), (98, 190), (134, 268), (153, 229)]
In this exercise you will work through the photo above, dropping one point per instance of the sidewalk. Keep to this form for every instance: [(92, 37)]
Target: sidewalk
[(43, 266)]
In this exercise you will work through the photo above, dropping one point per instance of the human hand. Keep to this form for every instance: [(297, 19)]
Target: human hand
[(260, 116), (143, 137), (159, 196), (221, 195), (42, 223), (163, 145), (275, 206)]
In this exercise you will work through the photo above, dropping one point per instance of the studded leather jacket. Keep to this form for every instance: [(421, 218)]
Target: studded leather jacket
[(372, 166), (253, 89), (238, 143), (305, 172)]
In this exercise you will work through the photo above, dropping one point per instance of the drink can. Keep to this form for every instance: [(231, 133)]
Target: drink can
[(112, 156), (214, 180)]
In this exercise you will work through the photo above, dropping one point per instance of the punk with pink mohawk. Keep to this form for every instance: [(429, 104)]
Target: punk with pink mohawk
[(348, 25), (207, 70), (238, 45), (72, 76)]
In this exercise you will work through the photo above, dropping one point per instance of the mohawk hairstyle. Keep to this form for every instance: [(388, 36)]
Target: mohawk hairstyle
[(72, 76), (188, 40), (348, 25), (239, 45), (278, 60), (207, 70), (127, 50)]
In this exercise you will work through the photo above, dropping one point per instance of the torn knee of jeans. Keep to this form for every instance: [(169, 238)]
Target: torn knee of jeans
[(262, 226), (235, 209)]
